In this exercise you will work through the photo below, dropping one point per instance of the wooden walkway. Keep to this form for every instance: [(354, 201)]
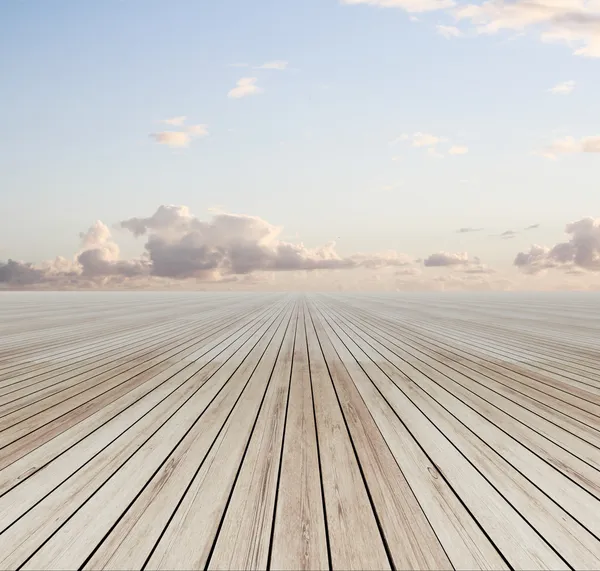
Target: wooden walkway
[(278, 431)]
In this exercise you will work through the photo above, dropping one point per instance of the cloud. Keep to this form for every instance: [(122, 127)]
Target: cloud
[(590, 144), (172, 138), (413, 6), (581, 251), (175, 121), (198, 130), (425, 140), (563, 88), (572, 22), (20, 274), (245, 86), (178, 246), (448, 31), (442, 259), (181, 138), (468, 229), (531, 227), (508, 234), (430, 142), (569, 146), (278, 65), (478, 269), (408, 271), (96, 262), (99, 255)]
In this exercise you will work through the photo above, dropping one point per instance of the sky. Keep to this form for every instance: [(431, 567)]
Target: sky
[(300, 144)]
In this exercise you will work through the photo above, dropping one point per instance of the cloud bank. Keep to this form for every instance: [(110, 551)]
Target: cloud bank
[(180, 246), (183, 251)]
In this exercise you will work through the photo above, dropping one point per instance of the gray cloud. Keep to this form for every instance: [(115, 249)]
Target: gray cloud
[(180, 246), (441, 259), (532, 227), (479, 269), (581, 251), (19, 273), (468, 229)]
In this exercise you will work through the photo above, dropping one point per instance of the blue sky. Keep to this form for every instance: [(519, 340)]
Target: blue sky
[(84, 84)]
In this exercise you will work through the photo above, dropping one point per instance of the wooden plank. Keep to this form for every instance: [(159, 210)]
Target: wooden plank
[(576, 458), (125, 410), (464, 541), (411, 540), (244, 537), (516, 539), (216, 430), (299, 533), (354, 538), (189, 536), (40, 429), (554, 524), (170, 417), (482, 419)]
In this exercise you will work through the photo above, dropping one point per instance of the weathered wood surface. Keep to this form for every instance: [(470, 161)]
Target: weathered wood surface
[(287, 431)]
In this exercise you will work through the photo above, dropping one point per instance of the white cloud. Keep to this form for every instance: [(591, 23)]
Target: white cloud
[(425, 140), (245, 86), (414, 6), (279, 65), (573, 22), (590, 144), (172, 138), (175, 121), (180, 138), (448, 31), (563, 88), (198, 130), (569, 146), (430, 143)]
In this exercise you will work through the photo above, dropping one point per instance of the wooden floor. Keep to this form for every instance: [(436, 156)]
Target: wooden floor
[(255, 431)]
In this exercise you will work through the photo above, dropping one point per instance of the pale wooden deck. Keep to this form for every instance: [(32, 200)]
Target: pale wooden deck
[(247, 431)]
